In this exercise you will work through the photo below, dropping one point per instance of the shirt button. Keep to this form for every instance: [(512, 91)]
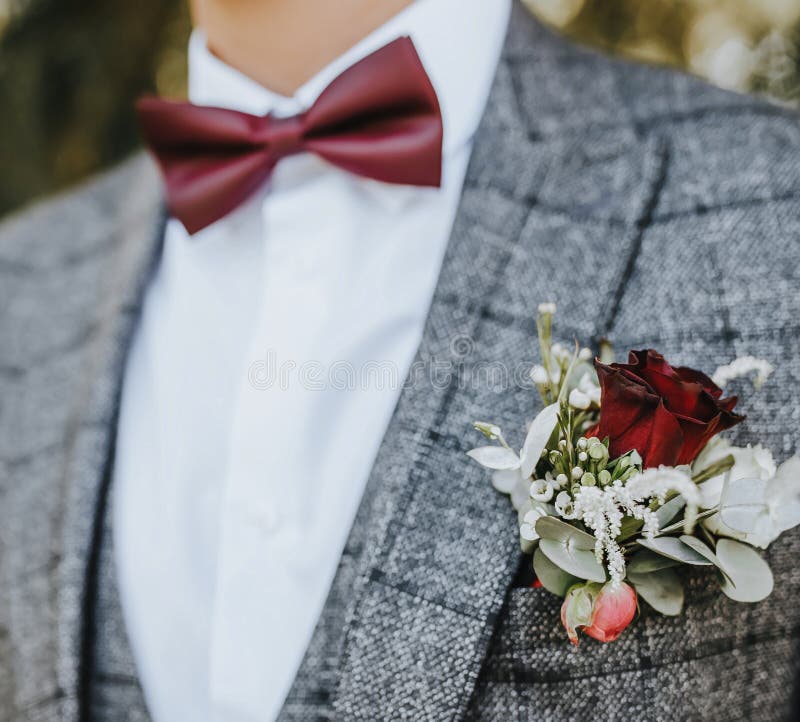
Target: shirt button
[(267, 520)]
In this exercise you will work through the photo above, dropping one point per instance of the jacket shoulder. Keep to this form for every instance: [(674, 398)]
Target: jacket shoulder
[(722, 147)]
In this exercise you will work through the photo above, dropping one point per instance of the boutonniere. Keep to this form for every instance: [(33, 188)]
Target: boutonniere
[(623, 478)]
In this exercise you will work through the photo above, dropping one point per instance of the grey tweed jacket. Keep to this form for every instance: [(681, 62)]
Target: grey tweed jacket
[(651, 207)]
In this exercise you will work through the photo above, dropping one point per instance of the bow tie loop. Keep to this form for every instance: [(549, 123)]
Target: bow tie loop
[(379, 119)]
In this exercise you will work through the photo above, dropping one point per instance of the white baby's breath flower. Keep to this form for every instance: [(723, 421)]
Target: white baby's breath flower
[(602, 509), (743, 366)]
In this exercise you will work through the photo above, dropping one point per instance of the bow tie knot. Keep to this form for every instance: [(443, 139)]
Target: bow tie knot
[(283, 136), (379, 119)]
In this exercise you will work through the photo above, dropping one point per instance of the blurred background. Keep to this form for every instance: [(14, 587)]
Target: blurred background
[(70, 69)]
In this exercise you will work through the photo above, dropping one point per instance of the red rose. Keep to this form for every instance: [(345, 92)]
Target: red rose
[(667, 414)]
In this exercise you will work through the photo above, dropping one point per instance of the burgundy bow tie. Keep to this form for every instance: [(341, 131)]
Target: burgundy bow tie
[(379, 119)]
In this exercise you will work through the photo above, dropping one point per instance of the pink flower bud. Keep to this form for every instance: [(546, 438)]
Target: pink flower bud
[(602, 610)]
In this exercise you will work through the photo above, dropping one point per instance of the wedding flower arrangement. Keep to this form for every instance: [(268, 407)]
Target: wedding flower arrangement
[(623, 478)]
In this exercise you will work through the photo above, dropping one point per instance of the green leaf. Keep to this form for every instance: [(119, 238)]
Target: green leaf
[(554, 579), (548, 527), (573, 560), (673, 548), (569, 548), (704, 550), (646, 561), (538, 435), (715, 469), (668, 511), (495, 457), (748, 571), (661, 589), (629, 527)]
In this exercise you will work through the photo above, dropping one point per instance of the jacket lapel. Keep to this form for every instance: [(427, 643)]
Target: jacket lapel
[(87, 293), (432, 549)]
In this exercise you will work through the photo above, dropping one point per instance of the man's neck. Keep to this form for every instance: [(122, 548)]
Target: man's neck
[(283, 43)]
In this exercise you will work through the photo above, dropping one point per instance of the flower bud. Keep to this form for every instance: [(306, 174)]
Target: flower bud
[(588, 479), (598, 452), (604, 477), (579, 400), (539, 375), (603, 610)]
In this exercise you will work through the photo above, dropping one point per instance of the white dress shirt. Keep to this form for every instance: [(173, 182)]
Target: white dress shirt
[(269, 357)]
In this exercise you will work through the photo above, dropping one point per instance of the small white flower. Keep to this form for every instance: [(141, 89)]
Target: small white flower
[(585, 354), (528, 527), (547, 308), (577, 473), (562, 480), (542, 490), (565, 506)]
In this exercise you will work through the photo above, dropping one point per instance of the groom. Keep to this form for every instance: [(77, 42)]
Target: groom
[(202, 519)]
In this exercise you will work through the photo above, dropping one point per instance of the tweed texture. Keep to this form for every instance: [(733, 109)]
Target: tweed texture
[(648, 205)]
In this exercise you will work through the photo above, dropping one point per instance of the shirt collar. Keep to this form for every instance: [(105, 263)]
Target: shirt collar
[(458, 41)]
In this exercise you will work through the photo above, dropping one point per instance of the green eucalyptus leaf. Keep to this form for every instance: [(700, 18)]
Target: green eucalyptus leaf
[(646, 561), (629, 527), (570, 549), (673, 548), (553, 578), (661, 589), (668, 511), (704, 550), (548, 527), (538, 435), (748, 571), (572, 559)]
